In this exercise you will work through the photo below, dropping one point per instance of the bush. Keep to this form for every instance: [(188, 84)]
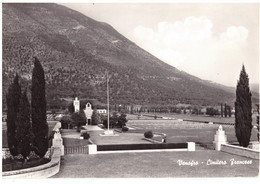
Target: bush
[(66, 122), (121, 121), (85, 135), (112, 123), (96, 119), (211, 111), (148, 134), (78, 119), (125, 129)]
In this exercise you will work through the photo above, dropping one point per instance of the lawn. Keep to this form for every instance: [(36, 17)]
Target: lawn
[(181, 131), (151, 165), (189, 117), (122, 138)]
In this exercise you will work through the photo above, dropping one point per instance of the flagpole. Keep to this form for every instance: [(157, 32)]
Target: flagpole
[(107, 103)]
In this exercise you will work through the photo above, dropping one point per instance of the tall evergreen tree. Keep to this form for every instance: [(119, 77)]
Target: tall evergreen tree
[(257, 121), (243, 110), (24, 133), (221, 112), (13, 98), (225, 110), (38, 108), (229, 111)]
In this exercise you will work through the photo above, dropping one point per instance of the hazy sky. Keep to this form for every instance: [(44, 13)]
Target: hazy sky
[(210, 41)]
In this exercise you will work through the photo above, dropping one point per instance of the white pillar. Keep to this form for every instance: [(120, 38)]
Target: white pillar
[(219, 138), (76, 104), (92, 149), (191, 146), (58, 142)]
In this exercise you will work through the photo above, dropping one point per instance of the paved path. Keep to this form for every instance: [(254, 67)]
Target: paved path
[(163, 164), (92, 128)]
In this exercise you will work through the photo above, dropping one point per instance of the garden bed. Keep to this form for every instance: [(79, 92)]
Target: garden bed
[(15, 164)]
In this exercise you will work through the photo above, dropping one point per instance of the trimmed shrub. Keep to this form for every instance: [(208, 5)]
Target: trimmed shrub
[(66, 122), (112, 123), (96, 119), (85, 135), (121, 120), (78, 119), (148, 134), (125, 129)]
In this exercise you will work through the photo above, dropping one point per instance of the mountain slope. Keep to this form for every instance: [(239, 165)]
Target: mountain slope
[(75, 52)]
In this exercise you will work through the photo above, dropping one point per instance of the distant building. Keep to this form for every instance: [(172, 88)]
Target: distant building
[(88, 113), (133, 108), (101, 111)]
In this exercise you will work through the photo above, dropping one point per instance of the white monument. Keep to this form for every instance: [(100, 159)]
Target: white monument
[(76, 104), (88, 112), (219, 138), (57, 141)]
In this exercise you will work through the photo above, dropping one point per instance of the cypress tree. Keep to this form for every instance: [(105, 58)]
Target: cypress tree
[(225, 110), (38, 109), (221, 112), (257, 121), (243, 110), (24, 134), (12, 98), (229, 111)]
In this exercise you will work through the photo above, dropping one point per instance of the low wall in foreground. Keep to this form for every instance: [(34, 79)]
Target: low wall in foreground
[(119, 148), (46, 170), (42, 171), (238, 150)]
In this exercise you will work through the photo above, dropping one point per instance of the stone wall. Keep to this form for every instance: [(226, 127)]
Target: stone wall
[(42, 171), (238, 150)]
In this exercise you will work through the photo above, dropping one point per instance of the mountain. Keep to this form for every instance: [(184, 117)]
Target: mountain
[(254, 87), (75, 52)]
